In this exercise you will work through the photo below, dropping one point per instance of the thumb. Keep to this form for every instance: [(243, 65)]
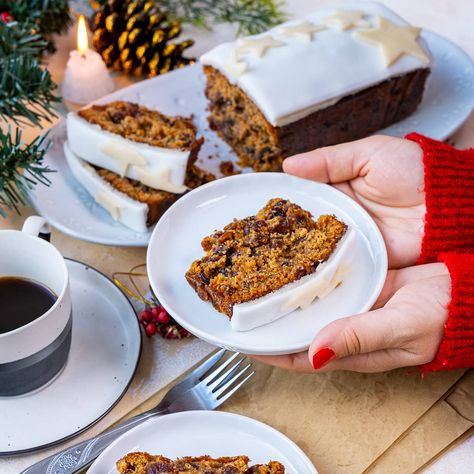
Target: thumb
[(332, 164), (363, 333)]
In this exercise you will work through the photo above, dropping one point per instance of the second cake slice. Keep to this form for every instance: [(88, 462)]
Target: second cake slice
[(135, 142)]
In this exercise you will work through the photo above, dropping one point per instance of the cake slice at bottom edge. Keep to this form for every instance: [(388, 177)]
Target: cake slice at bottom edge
[(145, 463)]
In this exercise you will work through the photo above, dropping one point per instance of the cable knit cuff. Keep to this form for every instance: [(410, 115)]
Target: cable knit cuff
[(449, 191), (457, 347)]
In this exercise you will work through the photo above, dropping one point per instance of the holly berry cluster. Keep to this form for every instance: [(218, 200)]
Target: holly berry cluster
[(156, 320)]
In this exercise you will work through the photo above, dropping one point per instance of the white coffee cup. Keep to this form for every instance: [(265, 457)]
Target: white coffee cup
[(31, 355)]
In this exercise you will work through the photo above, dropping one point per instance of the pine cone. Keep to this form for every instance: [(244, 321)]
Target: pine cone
[(136, 37)]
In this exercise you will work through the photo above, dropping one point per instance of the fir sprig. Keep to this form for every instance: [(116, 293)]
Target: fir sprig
[(48, 16), (26, 89), (252, 16), (26, 97), (21, 168)]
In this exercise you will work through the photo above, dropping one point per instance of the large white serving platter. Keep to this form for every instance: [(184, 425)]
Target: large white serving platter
[(447, 103), (196, 433), (176, 243)]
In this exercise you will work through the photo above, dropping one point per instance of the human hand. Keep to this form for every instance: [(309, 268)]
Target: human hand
[(383, 174), (404, 329)]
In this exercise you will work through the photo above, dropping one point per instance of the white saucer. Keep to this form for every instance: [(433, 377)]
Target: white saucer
[(105, 349), (196, 433), (447, 103), (176, 242)]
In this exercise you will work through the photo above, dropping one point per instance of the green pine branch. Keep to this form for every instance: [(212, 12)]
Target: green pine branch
[(48, 16), (26, 89), (21, 168), (252, 16), (26, 97)]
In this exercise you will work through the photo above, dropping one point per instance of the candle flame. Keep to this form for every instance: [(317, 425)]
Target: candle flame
[(82, 40)]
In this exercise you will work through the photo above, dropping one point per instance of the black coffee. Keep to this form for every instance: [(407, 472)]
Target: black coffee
[(22, 301)]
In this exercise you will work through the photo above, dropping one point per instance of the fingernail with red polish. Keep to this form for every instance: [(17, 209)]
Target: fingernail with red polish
[(322, 357)]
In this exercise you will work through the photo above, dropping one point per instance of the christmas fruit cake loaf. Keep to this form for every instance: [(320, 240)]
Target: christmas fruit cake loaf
[(135, 142), (263, 267), (128, 201), (337, 75), (144, 463)]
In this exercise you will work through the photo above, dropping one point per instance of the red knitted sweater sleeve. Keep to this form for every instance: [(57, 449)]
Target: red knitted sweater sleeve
[(449, 228), (449, 194), (457, 346)]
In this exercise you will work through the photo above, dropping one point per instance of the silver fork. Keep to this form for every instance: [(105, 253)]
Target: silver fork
[(192, 393)]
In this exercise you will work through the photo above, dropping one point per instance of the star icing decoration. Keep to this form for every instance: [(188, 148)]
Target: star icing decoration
[(123, 155), (159, 179), (304, 30), (109, 202), (394, 41), (344, 19), (235, 67), (257, 46)]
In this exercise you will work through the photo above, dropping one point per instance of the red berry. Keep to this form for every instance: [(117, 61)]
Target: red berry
[(146, 316), (163, 317), (183, 332), (155, 311), (6, 17), (150, 329)]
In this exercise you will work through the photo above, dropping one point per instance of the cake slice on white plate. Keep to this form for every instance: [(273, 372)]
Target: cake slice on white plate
[(135, 142), (135, 162), (262, 267)]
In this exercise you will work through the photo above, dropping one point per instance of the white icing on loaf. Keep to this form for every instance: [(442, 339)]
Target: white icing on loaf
[(123, 156), (124, 209), (290, 82), (298, 294)]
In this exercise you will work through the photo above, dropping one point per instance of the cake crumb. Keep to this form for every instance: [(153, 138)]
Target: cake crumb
[(227, 168)]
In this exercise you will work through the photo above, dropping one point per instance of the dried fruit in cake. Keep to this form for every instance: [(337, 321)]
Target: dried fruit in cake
[(259, 255), (144, 463)]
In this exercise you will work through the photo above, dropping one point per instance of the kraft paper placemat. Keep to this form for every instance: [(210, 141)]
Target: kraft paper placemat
[(438, 428), (343, 421)]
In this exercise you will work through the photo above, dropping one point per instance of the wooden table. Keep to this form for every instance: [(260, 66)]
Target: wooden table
[(343, 421)]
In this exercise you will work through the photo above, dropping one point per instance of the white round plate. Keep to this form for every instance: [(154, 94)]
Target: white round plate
[(176, 243), (105, 349), (447, 103), (196, 433)]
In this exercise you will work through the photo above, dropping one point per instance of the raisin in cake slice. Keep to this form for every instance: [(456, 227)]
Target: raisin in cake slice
[(260, 268), (336, 75), (135, 142)]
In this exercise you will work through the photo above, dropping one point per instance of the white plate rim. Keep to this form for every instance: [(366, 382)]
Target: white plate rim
[(205, 414), (204, 335), (120, 396)]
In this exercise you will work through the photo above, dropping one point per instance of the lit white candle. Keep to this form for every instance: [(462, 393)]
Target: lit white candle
[(86, 77)]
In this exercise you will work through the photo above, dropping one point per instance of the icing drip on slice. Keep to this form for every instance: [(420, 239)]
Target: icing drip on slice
[(124, 155), (304, 31), (257, 46), (394, 41), (109, 202), (159, 179), (344, 19)]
